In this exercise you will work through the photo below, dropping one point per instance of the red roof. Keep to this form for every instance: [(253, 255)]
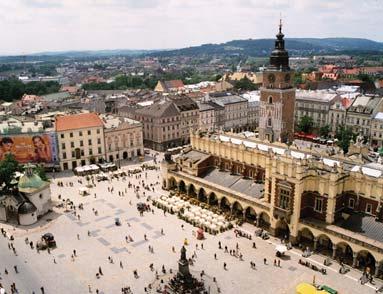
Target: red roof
[(78, 121), (346, 103), (174, 84)]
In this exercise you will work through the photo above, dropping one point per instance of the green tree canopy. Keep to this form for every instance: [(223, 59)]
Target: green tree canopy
[(245, 84), (306, 124), (14, 89), (8, 167), (324, 131), (344, 135)]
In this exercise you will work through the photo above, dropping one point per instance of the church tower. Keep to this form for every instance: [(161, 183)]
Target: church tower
[(277, 102)]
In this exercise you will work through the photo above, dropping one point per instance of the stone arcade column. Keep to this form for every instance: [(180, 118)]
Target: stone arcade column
[(354, 259), (334, 251), (258, 220), (315, 243), (376, 273)]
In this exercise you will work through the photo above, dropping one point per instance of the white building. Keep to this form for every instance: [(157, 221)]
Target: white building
[(26, 203)]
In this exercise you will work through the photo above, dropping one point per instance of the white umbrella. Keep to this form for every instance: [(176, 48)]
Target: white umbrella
[(281, 248)]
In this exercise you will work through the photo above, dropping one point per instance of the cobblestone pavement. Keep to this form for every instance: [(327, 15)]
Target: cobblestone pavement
[(106, 239)]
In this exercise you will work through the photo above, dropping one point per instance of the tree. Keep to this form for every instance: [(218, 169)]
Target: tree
[(245, 84), (8, 167), (344, 135), (306, 124), (41, 172), (324, 131)]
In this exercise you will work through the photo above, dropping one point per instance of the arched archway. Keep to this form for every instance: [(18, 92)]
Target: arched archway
[(365, 261), (324, 245), (202, 195), (225, 204), (124, 155), (172, 183), (282, 229), (250, 215), (306, 239), (344, 253), (182, 187), (264, 220), (237, 209), (213, 200), (191, 191)]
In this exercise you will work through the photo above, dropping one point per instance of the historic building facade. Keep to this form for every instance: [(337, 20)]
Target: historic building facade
[(277, 102), (314, 201)]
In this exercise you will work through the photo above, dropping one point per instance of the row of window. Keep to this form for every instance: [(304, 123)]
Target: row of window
[(80, 133), (72, 145), (318, 206), (78, 153)]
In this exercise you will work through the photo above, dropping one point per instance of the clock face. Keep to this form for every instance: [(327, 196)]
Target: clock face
[(287, 78), (271, 78)]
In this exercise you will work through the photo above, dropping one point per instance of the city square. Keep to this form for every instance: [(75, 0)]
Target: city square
[(89, 241)]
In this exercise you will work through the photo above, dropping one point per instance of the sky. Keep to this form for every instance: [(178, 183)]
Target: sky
[(28, 26)]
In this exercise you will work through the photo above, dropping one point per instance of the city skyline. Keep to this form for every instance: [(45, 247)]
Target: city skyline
[(31, 26)]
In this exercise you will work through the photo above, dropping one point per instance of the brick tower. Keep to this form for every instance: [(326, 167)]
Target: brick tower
[(277, 102)]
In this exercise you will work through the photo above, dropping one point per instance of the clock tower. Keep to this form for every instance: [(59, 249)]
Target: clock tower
[(277, 102)]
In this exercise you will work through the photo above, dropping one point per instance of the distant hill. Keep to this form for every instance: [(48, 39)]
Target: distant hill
[(296, 46)]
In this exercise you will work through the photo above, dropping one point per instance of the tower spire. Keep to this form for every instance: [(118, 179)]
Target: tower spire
[(280, 24)]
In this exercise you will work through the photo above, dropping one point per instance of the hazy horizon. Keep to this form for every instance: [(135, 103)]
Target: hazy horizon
[(34, 26)]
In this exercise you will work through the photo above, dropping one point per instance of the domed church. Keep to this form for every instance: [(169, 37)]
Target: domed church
[(30, 199)]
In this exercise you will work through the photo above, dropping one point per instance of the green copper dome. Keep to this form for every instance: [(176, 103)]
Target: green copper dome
[(30, 182)]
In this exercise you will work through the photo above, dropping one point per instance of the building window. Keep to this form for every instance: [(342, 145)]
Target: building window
[(81, 143), (98, 141), (64, 155), (80, 133), (318, 204), (369, 208), (63, 146), (73, 154), (90, 152), (270, 100), (98, 131), (71, 135), (62, 136), (284, 199), (89, 132), (269, 122), (99, 150), (351, 203), (90, 142)]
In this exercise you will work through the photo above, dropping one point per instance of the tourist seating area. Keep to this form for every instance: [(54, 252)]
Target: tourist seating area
[(203, 218)]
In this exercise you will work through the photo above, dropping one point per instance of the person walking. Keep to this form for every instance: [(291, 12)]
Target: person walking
[(224, 266)]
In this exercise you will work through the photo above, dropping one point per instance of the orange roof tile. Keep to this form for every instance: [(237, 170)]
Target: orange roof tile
[(77, 121)]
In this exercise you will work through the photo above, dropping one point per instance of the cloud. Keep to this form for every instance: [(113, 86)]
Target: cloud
[(42, 3), (41, 25)]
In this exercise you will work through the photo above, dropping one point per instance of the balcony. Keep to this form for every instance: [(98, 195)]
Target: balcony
[(280, 213)]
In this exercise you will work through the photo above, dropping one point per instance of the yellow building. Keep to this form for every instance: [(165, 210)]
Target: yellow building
[(332, 205), (80, 139)]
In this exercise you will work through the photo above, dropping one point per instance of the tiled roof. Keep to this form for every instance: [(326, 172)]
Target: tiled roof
[(159, 109), (78, 121), (174, 84)]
